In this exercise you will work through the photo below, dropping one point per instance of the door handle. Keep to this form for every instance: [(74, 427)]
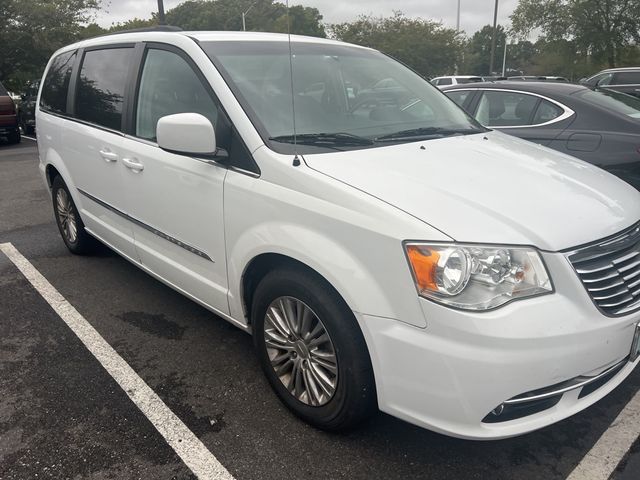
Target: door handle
[(109, 156), (133, 164)]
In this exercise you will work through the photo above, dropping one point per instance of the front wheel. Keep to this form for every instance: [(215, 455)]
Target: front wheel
[(312, 350)]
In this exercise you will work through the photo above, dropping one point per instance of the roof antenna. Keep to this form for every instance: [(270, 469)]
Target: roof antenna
[(296, 159)]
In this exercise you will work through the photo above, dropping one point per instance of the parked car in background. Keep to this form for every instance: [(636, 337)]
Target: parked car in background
[(599, 126), (625, 80), (8, 117), (27, 112), (537, 78), (455, 80)]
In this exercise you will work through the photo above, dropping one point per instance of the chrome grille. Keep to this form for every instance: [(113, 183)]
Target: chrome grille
[(610, 271)]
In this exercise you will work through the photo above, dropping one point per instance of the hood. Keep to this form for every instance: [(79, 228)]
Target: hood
[(491, 188)]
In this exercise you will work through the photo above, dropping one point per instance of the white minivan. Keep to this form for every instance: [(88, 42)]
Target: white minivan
[(384, 249)]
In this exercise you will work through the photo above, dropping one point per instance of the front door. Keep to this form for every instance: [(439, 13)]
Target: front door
[(175, 201)]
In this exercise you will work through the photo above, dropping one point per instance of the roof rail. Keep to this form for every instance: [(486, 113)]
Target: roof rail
[(155, 28)]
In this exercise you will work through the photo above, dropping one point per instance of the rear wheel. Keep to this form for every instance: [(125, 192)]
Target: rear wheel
[(70, 224), (312, 350)]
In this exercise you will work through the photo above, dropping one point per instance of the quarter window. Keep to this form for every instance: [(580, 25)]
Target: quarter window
[(102, 83), (168, 86), (546, 112), (56, 83)]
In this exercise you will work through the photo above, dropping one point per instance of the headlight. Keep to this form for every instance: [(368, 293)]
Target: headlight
[(477, 277)]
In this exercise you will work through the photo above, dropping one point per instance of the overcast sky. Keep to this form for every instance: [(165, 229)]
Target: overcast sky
[(474, 13)]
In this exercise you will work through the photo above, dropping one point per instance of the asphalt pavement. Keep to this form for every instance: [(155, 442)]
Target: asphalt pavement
[(62, 415)]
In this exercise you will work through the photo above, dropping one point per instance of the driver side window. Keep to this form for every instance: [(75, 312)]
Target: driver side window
[(169, 85)]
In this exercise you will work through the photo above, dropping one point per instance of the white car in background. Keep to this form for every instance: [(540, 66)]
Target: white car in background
[(455, 80), (384, 249)]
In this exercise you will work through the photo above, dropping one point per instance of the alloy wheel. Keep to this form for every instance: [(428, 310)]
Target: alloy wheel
[(66, 216), (300, 351)]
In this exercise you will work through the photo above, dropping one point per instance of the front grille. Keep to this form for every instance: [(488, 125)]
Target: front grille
[(610, 271)]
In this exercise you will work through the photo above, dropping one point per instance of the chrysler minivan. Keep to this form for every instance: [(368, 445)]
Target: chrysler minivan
[(384, 249)]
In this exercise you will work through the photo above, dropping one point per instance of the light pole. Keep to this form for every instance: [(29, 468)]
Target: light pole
[(244, 25), (493, 38), (161, 20), (457, 31), (504, 59)]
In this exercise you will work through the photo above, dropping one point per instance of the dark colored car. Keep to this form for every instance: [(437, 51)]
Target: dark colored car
[(26, 113), (8, 117), (599, 126), (625, 80)]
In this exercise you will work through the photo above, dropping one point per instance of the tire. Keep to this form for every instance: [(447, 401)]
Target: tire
[(15, 137), (70, 225), (352, 399)]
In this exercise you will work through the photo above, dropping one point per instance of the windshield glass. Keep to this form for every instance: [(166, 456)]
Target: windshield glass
[(612, 100), (345, 97), (2, 90)]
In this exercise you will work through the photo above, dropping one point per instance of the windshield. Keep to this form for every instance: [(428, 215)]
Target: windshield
[(2, 90), (610, 99), (345, 97)]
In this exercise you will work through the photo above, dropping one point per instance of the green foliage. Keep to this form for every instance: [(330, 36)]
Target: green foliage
[(478, 52), (427, 46), (600, 29), (263, 16), (31, 30)]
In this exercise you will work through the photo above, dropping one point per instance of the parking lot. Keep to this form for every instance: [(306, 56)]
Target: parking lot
[(63, 415)]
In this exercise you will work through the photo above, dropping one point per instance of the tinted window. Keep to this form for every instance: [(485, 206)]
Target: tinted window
[(169, 85), (458, 96), (101, 87), (3, 91), (56, 83), (445, 81), (614, 101), (546, 112), (506, 109), (627, 78)]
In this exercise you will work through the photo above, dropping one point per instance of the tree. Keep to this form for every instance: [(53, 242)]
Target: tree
[(478, 57), (31, 30), (264, 16), (425, 45), (599, 28)]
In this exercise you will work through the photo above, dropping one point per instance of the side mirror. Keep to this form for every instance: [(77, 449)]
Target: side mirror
[(23, 97), (187, 134)]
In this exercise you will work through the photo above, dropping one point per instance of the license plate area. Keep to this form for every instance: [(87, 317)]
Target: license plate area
[(635, 346)]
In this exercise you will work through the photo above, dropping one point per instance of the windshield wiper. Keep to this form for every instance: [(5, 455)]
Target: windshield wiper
[(427, 132), (325, 139)]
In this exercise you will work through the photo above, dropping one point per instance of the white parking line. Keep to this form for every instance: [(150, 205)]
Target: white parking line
[(603, 458), (190, 449), (30, 138)]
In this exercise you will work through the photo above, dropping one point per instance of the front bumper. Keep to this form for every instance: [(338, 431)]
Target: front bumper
[(450, 376)]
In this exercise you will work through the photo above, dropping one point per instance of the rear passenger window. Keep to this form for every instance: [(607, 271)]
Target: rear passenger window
[(627, 78), (445, 81), (56, 83), (546, 112), (169, 85), (506, 109), (101, 87)]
